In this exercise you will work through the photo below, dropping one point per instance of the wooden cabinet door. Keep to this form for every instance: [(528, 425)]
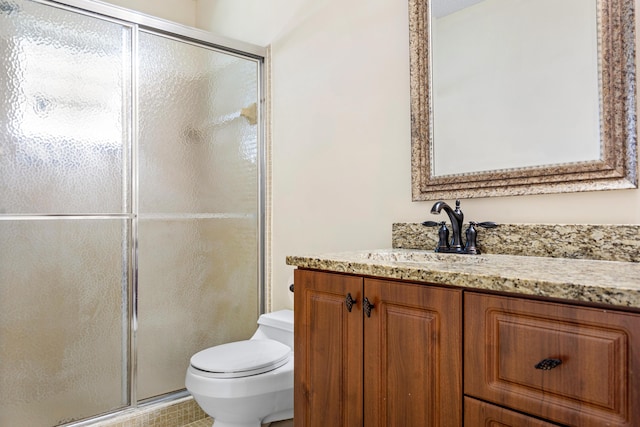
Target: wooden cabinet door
[(327, 350), (412, 355)]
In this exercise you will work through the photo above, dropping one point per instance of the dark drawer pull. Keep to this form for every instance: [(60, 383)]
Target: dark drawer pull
[(547, 364), (349, 301), (368, 306)]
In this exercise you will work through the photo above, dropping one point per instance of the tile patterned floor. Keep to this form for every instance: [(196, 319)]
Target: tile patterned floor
[(205, 422)]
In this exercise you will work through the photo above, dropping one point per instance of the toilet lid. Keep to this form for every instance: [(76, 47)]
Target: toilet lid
[(241, 358)]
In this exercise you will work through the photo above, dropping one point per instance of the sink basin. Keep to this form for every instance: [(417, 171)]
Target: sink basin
[(414, 256)]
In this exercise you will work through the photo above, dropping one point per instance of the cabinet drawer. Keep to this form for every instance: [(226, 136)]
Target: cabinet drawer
[(596, 382), (481, 414)]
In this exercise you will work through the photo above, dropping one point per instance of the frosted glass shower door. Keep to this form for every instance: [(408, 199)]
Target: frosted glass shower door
[(62, 343), (65, 104), (64, 231), (198, 206)]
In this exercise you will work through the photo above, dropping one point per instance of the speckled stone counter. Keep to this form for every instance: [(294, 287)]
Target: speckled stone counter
[(583, 280)]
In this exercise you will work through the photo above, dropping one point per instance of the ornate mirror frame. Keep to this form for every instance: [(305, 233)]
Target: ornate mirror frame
[(617, 168)]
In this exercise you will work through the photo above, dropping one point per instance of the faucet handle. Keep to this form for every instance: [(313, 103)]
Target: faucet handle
[(430, 223), (443, 234), (485, 224), (470, 246)]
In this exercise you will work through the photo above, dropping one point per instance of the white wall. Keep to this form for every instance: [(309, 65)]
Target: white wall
[(341, 131)]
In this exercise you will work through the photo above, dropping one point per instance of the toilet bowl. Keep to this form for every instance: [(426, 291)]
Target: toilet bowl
[(247, 383)]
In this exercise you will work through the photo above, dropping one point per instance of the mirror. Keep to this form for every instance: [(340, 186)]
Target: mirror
[(522, 97)]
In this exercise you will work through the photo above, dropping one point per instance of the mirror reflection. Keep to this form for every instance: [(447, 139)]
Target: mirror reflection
[(515, 84)]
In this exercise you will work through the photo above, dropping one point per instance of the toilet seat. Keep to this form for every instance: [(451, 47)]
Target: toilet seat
[(241, 358)]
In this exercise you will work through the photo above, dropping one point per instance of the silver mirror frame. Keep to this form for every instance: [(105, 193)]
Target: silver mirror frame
[(617, 168)]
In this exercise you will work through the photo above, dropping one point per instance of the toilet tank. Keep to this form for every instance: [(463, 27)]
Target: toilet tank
[(277, 325)]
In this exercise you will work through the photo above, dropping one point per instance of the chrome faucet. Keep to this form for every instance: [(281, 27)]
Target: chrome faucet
[(457, 219)]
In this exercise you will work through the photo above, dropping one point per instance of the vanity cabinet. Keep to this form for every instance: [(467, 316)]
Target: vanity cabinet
[(376, 352), (384, 352), (564, 363)]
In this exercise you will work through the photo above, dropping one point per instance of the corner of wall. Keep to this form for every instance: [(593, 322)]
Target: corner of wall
[(267, 126)]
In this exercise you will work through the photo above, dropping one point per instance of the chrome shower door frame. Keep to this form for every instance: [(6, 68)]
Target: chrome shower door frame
[(140, 22)]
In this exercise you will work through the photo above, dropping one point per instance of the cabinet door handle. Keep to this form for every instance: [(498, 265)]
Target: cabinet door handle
[(368, 306), (548, 364), (349, 301)]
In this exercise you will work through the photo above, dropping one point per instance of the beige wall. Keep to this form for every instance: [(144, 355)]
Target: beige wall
[(180, 11), (253, 21), (341, 131)]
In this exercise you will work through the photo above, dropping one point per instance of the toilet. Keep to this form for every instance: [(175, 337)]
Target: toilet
[(247, 383)]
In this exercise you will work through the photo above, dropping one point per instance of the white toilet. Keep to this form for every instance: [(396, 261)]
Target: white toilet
[(247, 383)]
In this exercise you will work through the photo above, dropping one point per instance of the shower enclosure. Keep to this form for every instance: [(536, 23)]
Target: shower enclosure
[(131, 211)]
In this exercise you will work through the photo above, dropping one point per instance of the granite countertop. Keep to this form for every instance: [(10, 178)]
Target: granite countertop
[(584, 280)]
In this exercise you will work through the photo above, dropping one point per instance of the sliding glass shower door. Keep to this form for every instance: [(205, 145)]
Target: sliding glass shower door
[(130, 210), (64, 229), (197, 205)]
